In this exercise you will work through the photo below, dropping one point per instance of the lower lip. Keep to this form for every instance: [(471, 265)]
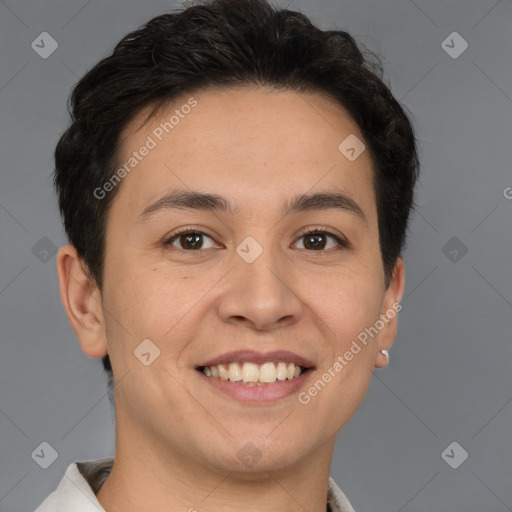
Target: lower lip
[(262, 394)]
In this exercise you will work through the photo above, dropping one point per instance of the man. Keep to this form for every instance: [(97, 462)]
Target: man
[(236, 186)]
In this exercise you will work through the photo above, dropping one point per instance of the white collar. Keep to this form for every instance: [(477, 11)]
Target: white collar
[(76, 490)]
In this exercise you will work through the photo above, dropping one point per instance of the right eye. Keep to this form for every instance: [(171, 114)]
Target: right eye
[(189, 239)]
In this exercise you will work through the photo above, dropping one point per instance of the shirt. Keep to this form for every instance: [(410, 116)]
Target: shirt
[(77, 490)]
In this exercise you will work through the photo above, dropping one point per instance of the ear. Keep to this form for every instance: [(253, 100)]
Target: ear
[(82, 301), (389, 313)]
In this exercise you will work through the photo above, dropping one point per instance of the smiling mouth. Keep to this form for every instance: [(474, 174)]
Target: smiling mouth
[(253, 374)]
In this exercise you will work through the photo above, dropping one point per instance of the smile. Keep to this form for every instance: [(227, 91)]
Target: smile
[(257, 378), (252, 373)]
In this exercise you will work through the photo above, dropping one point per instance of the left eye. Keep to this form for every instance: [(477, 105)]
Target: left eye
[(317, 239), (191, 240)]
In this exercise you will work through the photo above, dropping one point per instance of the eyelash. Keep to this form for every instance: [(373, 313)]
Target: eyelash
[(312, 231)]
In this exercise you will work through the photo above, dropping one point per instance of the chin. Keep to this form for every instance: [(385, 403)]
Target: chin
[(251, 455)]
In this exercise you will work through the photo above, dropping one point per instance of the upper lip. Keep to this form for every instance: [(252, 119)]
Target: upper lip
[(251, 356)]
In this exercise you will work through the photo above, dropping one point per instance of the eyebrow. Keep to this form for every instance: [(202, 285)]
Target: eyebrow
[(193, 200)]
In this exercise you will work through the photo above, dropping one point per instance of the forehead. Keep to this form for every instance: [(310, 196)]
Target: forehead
[(250, 144)]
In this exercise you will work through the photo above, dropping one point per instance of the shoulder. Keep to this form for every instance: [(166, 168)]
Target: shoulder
[(76, 490), (336, 498)]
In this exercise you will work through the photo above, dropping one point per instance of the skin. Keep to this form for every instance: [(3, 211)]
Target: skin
[(177, 438)]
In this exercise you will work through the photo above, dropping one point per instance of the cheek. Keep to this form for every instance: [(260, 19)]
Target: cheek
[(347, 309), (341, 305), (160, 307), (347, 302)]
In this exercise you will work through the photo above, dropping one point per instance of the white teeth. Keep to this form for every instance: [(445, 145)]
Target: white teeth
[(235, 372), (223, 372), (250, 372), (281, 371), (253, 374), (268, 372)]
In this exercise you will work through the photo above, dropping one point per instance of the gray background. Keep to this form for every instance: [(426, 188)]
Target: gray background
[(449, 376)]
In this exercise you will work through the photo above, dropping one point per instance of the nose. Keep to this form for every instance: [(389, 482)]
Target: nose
[(260, 295)]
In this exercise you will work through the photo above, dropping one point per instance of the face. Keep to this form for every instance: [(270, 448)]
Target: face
[(247, 283)]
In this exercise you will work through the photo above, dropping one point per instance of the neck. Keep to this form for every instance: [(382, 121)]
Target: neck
[(165, 480)]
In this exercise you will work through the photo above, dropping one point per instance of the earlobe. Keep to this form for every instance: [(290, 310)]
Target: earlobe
[(82, 301)]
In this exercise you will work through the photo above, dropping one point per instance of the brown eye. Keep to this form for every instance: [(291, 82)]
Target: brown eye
[(189, 240), (317, 239)]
